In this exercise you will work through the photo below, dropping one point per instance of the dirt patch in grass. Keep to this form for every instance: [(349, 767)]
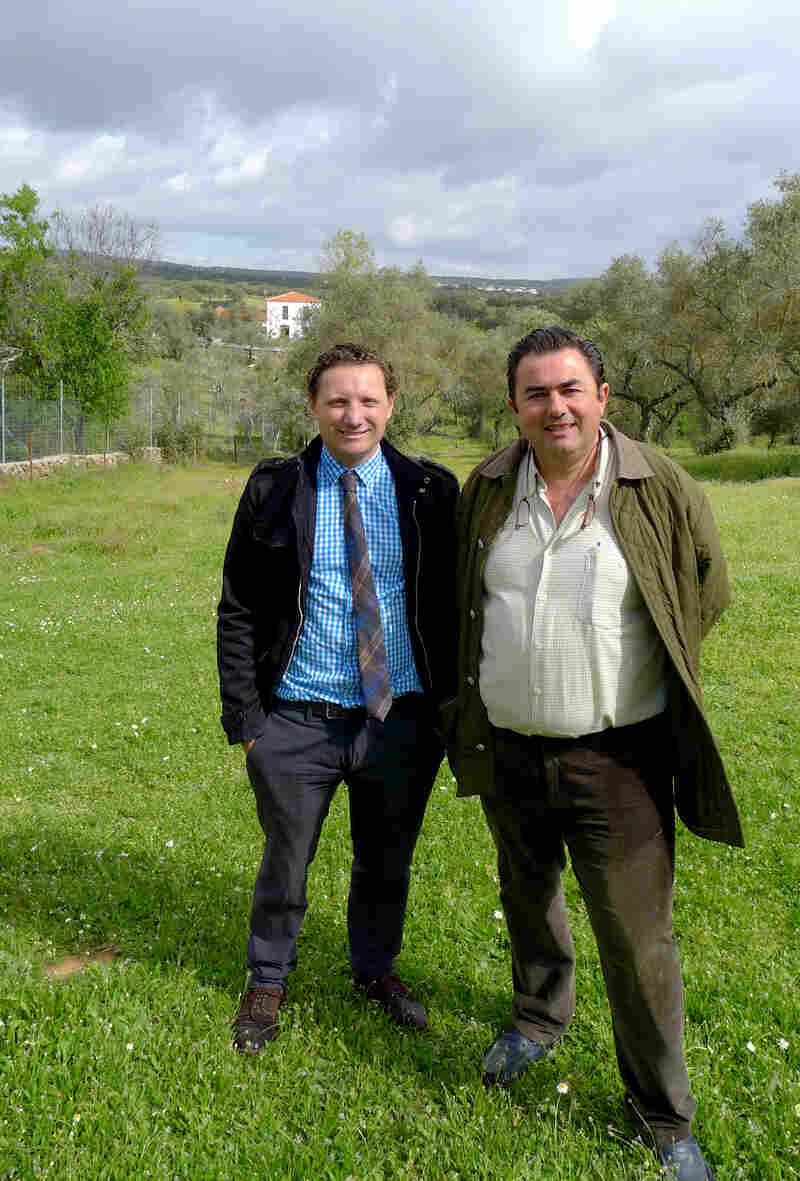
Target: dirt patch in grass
[(68, 965)]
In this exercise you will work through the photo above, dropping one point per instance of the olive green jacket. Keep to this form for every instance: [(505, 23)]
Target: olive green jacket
[(666, 531)]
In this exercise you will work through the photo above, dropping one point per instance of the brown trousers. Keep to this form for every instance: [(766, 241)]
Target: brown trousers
[(608, 798)]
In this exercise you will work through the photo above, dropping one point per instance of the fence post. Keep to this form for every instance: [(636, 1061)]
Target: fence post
[(3, 414), (61, 417), (30, 455), (150, 416)]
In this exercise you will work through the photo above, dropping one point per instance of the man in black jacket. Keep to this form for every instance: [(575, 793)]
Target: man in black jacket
[(336, 645)]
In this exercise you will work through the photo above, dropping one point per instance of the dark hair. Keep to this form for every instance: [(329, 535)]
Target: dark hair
[(551, 340), (349, 354)]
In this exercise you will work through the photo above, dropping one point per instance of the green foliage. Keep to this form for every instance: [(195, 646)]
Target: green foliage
[(178, 441), (134, 439), (742, 465), (22, 235), (778, 416), (79, 316), (24, 252), (721, 437), (347, 254), (173, 331)]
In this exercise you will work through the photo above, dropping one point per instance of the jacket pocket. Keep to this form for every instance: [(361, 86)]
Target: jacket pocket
[(278, 536)]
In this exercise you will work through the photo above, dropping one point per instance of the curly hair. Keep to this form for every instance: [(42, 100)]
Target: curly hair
[(551, 340), (349, 354)]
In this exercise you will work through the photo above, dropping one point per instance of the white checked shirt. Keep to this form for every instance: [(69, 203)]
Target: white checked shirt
[(569, 647), (325, 662)]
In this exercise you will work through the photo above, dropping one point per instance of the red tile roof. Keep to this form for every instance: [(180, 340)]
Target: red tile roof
[(292, 297)]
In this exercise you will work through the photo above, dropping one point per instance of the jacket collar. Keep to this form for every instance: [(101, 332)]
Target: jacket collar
[(632, 464), (631, 460)]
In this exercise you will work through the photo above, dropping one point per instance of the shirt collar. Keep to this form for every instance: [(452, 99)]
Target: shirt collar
[(330, 469)]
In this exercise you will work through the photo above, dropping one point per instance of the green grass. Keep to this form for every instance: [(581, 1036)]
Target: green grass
[(125, 820), (747, 463)]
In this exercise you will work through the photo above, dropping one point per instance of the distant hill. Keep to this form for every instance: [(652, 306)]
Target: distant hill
[(298, 279), (177, 270), (518, 285)]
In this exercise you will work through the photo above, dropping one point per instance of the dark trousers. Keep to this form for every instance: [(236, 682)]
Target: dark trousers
[(608, 798), (295, 767)]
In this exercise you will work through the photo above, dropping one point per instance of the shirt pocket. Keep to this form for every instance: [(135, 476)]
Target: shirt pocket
[(609, 599)]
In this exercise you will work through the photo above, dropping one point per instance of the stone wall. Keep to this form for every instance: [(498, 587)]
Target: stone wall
[(58, 463)]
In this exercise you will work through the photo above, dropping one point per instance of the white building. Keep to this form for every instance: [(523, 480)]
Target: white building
[(285, 313)]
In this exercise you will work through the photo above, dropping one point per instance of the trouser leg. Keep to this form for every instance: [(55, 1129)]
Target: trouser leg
[(623, 857), (393, 768), (294, 770), (542, 954)]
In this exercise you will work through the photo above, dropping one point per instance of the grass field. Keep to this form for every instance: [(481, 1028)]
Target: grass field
[(129, 844)]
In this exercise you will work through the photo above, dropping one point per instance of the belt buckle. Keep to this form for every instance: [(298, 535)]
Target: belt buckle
[(332, 711)]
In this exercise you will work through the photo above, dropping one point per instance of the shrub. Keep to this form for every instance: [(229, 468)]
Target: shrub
[(720, 438), (178, 441), (134, 439)]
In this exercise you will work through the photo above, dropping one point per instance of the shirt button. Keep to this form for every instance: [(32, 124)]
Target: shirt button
[(480, 543), (472, 613), (480, 746), (470, 680)]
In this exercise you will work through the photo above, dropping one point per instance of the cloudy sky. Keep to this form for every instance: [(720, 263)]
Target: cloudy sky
[(532, 139)]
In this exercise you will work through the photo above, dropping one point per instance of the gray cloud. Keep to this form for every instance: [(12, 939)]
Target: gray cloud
[(473, 138)]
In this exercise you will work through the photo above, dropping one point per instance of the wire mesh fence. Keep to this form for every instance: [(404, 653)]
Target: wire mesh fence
[(36, 423), (53, 425)]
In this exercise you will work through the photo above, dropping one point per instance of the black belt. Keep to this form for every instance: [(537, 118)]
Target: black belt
[(331, 711)]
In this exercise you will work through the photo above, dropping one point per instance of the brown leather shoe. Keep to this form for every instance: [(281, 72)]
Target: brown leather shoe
[(396, 999), (255, 1023)]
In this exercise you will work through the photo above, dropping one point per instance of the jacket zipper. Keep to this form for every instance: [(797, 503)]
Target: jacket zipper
[(299, 627)]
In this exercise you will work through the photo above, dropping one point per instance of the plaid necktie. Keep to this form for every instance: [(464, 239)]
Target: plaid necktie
[(375, 682)]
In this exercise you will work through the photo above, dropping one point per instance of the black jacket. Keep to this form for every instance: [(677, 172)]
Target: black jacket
[(267, 564)]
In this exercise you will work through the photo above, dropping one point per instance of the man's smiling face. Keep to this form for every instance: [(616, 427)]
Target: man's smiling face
[(352, 408), (558, 406)]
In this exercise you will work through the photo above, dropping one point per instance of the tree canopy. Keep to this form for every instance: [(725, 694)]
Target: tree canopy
[(70, 300)]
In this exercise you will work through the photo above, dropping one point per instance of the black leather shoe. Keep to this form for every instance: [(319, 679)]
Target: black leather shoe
[(509, 1057), (396, 999), (683, 1160), (255, 1023)]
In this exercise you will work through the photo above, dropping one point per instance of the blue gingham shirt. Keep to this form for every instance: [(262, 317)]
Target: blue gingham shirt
[(324, 666)]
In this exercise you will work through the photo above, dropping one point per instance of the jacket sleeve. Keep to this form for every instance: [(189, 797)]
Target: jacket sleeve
[(712, 570), (243, 715)]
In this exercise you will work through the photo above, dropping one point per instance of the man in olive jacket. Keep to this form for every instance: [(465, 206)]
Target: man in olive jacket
[(589, 572)]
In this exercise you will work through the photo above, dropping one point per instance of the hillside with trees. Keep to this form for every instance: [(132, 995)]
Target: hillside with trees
[(704, 346)]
